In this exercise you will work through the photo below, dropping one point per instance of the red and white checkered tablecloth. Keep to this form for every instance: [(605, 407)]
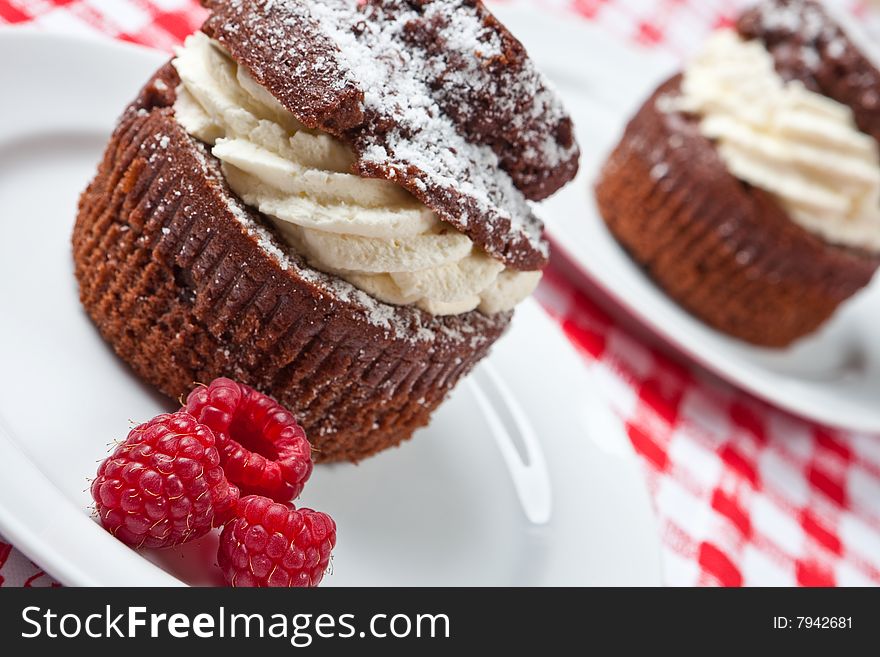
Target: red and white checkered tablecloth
[(745, 494)]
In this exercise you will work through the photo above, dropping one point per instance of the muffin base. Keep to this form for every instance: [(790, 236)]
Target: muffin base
[(724, 250), (188, 284)]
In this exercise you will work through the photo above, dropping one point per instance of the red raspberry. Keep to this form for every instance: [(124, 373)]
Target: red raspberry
[(273, 544), (262, 448), (164, 485)]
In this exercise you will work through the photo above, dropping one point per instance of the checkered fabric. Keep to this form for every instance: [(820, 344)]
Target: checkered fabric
[(744, 493)]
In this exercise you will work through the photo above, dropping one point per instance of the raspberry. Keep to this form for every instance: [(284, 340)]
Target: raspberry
[(164, 485), (262, 448), (272, 544)]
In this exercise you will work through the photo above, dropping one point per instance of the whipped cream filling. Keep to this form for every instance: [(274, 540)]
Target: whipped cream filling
[(372, 233), (800, 146)]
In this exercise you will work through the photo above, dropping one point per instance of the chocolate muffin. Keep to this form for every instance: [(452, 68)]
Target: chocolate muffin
[(748, 187), (329, 202)]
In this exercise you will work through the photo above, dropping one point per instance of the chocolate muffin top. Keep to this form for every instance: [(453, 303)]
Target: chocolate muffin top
[(435, 95), (811, 45)]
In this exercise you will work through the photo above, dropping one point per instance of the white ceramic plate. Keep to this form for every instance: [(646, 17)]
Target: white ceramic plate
[(505, 487), (832, 377)]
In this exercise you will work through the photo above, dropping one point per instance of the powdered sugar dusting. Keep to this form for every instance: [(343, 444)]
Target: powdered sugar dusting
[(523, 102), (857, 36), (393, 82), (798, 17), (406, 131), (811, 21)]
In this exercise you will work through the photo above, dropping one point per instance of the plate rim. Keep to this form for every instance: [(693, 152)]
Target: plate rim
[(742, 375)]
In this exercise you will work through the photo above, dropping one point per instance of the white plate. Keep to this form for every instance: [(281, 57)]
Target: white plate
[(832, 377), (456, 505)]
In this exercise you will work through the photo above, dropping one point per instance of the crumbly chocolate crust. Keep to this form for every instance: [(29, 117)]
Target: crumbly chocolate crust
[(808, 45), (724, 250), (435, 95), (187, 284)]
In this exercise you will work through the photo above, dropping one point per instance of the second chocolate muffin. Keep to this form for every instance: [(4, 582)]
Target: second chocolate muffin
[(746, 220)]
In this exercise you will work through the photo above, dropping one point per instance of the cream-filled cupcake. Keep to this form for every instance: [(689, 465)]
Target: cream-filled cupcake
[(320, 201), (748, 186)]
